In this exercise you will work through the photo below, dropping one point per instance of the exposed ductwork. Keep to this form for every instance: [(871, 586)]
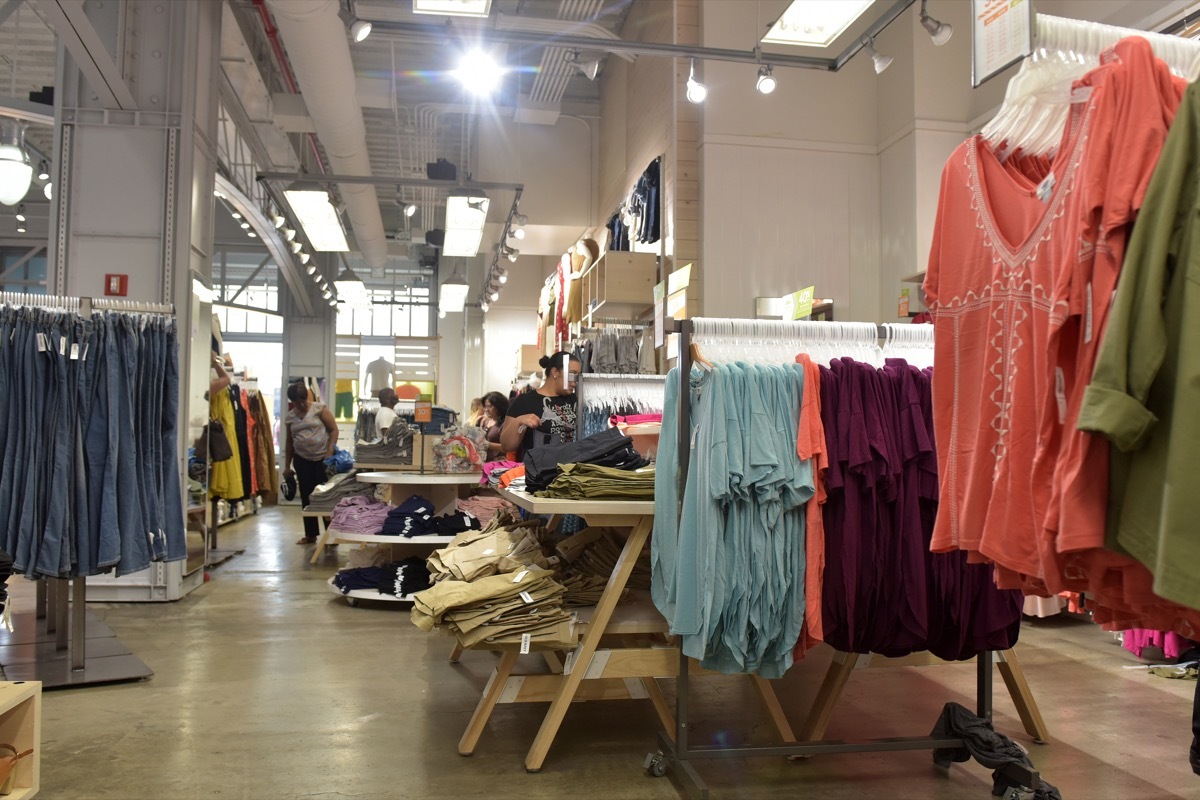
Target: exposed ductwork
[(319, 52)]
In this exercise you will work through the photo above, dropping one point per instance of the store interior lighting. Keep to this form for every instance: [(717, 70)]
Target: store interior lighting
[(410, 209), (466, 214), (452, 294), (881, 61), (589, 69), (289, 233), (297, 247), (16, 171), (21, 213), (479, 73), (48, 190), (317, 216), (697, 92), (278, 221), (235, 215), (939, 31), (512, 254), (304, 259), (349, 286), (359, 30), (43, 171), (312, 268), (766, 81), (815, 23), (252, 234), (517, 233), (453, 8), (245, 226), (484, 307)]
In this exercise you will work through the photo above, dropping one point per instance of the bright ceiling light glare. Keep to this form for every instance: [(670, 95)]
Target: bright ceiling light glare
[(512, 254), (289, 234), (245, 225), (766, 81), (322, 227), (16, 171), (328, 295), (881, 61), (48, 190), (278, 221), (20, 227), (518, 233), (304, 258), (43, 171), (939, 31), (312, 268), (479, 73), (360, 29), (235, 215), (494, 296), (410, 209), (21, 213), (441, 315), (453, 8), (217, 193), (252, 234), (296, 247), (815, 23), (697, 92)]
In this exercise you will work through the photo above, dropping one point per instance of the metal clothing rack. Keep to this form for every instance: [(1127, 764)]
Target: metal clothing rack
[(52, 643), (679, 752)]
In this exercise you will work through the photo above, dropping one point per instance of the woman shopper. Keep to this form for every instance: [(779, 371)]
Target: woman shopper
[(495, 409), (547, 414), (311, 437)]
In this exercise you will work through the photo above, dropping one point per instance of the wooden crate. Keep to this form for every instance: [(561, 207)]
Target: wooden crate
[(21, 726)]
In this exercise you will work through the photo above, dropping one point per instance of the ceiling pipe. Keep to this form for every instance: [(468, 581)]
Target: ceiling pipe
[(320, 55)]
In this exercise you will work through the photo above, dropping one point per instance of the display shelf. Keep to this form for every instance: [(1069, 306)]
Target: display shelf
[(354, 595), (916, 277), (345, 537), (21, 726), (420, 479), (583, 508)]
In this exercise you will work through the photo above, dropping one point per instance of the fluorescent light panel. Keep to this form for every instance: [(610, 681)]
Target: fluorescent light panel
[(465, 218), (453, 8), (452, 295), (815, 23), (319, 220)]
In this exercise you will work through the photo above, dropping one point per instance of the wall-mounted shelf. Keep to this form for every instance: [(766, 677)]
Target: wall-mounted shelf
[(619, 277), (916, 277)]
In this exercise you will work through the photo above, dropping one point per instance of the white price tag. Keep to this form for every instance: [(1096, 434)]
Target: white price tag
[(41, 342), (75, 351), (1087, 317), (62, 345), (521, 576), (527, 597), (526, 640), (1060, 394)]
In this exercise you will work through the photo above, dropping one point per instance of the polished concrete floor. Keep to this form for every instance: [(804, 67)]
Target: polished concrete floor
[(268, 686)]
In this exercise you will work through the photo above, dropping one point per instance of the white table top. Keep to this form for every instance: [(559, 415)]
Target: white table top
[(369, 538), (583, 508), (418, 479)]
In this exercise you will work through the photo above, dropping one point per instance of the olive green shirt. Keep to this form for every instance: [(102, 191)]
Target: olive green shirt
[(1145, 391)]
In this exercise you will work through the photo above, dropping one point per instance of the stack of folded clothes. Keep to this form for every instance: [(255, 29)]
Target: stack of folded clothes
[(395, 446), (338, 488), (592, 482), (609, 448), (477, 554), (524, 610), (484, 508), (593, 553), (359, 515), (398, 578), (414, 517), (493, 470)]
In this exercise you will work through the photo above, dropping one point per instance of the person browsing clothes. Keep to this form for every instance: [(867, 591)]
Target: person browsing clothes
[(311, 437), (546, 415), (495, 409), (387, 410)]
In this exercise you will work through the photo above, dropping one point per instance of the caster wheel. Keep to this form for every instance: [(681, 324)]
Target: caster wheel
[(353, 601), (655, 765)]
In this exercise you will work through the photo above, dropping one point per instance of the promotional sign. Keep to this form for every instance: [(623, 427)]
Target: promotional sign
[(423, 412), (799, 305), (1001, 35), (902, 309)]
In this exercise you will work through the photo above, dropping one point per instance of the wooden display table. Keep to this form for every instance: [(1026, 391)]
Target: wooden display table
[(592, 672), (21, 726)]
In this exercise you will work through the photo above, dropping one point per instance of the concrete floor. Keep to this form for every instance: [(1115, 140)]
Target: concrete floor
[(267, 686)]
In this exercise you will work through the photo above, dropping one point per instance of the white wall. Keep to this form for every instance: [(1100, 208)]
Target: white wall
[(504, 331)]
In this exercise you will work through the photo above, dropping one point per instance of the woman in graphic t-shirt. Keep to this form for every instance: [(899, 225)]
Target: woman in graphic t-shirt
[(547, 415)]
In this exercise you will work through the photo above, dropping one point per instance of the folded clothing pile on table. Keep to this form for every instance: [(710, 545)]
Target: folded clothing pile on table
[(396, 445), (398, 578), (609, 448), (414, 517), (359, 515), (593, 482), (326, 496), (492, 471), (492, 586), (484, 508)]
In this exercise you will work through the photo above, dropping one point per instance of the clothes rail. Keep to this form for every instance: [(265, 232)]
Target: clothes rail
[(48, 301), (680, 752), (1087, 40), (131, 306)]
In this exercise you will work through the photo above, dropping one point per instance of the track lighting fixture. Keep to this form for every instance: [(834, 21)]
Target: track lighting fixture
[(494, 296), (484, 307), (304, 258), (512, 254), (501, 275), (360, 29), (245, 226), (410, 209), (43, 171), (517, 233), (766, 81), (21, 213), (881, 61), (252, 234), (278, 221), (20, 227), (312, 269), (235, 215), (520, 219), (48, 190), (328, 295), (289, 233), (939, 31), (589, 69), (296, 247), (696, 91)]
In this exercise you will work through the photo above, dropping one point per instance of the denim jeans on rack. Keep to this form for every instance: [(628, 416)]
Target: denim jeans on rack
[(84, 555), (131, 506), (101, 445), (39, 394), (172, 490), (54, 553)]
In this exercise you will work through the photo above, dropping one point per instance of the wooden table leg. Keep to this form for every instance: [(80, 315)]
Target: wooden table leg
[(665, 715), (1022, 696), (771, 700), (827, 697), (456, 653), (321, 540), (591, 639), (491, 694)]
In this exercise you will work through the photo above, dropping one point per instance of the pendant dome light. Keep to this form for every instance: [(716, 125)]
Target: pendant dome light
[(16, 170), (697, 92)]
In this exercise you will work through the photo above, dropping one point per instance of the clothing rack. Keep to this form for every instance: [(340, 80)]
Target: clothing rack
[(59, 630), (1087, 40), (679, 751)]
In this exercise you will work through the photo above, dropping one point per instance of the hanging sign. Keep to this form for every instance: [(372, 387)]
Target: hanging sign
[(660, 297), (799, 305), (902, 308), (677, 305), (423, 412), (1001, 35), (678, 280)]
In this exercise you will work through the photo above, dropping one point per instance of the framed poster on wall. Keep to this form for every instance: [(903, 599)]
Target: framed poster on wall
[(1001, 35)]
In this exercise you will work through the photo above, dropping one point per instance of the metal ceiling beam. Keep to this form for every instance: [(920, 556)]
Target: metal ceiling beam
[(253, 275), (383, 180), (427, 33), (69, 20)]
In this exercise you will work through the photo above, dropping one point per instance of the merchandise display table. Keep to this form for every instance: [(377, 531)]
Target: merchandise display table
[(592, 672)]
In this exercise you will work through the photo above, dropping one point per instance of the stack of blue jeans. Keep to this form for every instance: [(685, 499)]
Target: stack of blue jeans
[(90, 476)]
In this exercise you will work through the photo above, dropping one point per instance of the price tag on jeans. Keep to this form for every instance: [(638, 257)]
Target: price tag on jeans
[(526, 640), (527, 597), (521, 576), (41, 342), (75, 351), (62, 345)]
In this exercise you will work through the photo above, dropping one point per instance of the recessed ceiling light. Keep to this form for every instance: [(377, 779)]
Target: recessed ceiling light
[(479, 73), (453, 8), (815, 23)]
